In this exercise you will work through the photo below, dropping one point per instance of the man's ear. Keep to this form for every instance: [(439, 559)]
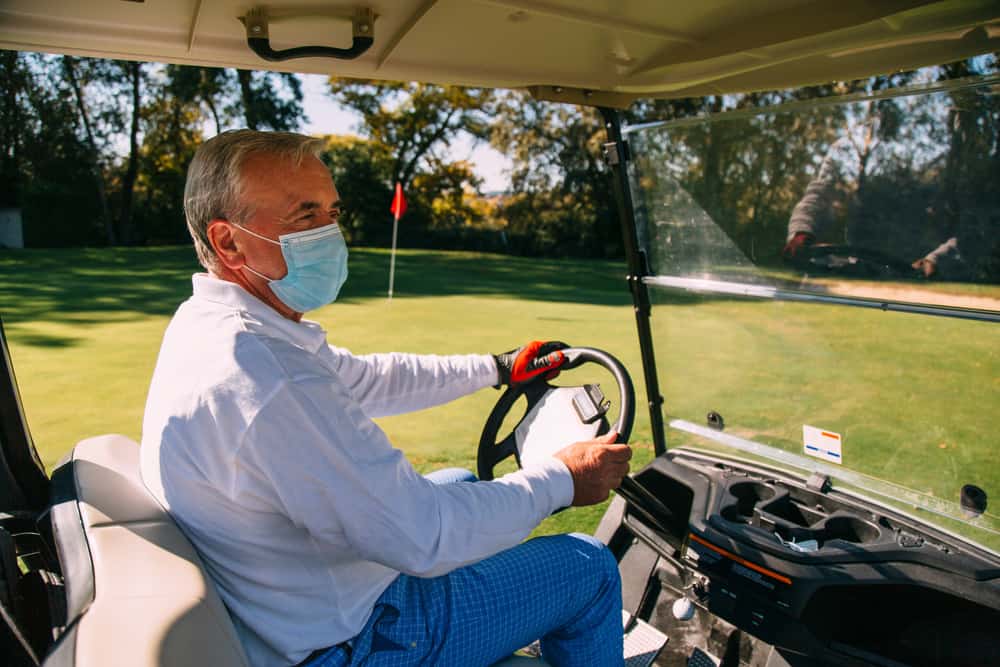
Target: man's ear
[(220, 235)]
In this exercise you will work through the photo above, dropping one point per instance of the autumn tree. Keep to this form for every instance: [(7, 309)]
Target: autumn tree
[(415, 124)]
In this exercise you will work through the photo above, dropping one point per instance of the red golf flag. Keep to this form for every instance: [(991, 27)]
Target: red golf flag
[(398, 207)]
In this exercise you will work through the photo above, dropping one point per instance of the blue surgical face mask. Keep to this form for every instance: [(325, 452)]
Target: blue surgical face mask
[(317, 267)]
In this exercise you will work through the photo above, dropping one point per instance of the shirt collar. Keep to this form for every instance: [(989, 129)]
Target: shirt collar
[(261, 318)]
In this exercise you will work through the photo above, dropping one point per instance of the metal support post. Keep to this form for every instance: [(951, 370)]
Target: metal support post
[(616, 153)]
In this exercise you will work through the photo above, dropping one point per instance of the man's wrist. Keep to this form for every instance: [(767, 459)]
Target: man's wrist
[(563, 487), (502, 367)]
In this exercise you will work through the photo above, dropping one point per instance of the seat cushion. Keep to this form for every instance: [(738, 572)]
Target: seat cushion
[(153, 602)]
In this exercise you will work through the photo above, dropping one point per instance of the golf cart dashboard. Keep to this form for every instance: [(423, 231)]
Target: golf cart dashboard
[(812, 573)]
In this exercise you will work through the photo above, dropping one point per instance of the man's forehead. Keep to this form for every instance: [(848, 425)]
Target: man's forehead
[(284, 182)]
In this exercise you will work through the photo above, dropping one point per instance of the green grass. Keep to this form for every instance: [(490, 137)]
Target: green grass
[(915, 397), (84, 327)]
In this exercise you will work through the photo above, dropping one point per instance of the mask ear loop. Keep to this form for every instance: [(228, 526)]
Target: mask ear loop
[(257, 273), (247, 266), (264, 238)]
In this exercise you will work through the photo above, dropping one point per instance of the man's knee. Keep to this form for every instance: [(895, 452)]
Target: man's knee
[(596, 552)]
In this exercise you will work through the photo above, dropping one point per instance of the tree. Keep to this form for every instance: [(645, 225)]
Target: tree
[(174, 130), (562, 202), (415, 123), (208, 86), (362, 171), (14, 79), (133, 76), (270, 100), (71, 69), (44, 165), (416, 120), (103, 119)]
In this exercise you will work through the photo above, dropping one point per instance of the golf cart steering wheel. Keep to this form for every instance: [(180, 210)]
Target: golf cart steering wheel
[(853, 261), (556, 416)]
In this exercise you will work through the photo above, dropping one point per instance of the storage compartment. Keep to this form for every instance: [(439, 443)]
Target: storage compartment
[(795, 515), (789, 509), (748, 495), (797, 534), (849, 529), (675, 495)]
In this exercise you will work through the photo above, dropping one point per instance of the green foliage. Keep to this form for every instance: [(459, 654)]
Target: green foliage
[(563, 202), (44, 165), (96, 151), (415, 120), (203, 86), (746, 173), (407, 127), (270, 100), (362, 172), (173, 133)]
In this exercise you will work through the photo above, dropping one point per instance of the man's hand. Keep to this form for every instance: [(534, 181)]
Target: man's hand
[(597, 466), (796, 243), (926, 266), (528, 362)]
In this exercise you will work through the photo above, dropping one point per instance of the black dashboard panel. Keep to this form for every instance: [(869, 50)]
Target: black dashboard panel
[(816, 575)]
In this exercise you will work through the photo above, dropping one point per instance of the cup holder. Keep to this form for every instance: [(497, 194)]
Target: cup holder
[(748, 495), (732, 513), (850, 529)]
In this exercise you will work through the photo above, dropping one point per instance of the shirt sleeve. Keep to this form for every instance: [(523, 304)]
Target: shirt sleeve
[(394, 383), (333, 472), (812, 212)]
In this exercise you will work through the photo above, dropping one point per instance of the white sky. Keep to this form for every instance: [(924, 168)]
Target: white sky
[(328, 117)]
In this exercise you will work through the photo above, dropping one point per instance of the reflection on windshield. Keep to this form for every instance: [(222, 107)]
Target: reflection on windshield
[(893, 199)]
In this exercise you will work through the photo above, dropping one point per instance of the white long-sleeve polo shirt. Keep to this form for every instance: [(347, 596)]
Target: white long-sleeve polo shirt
[(258, 439)]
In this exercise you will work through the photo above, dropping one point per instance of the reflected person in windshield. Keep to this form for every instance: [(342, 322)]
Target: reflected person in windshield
[(327, 547), (868, 214)]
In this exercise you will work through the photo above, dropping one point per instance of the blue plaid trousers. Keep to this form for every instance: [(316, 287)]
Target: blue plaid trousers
[(562, 589)]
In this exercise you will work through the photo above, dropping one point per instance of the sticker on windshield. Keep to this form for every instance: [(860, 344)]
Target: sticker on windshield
[(822, 444)]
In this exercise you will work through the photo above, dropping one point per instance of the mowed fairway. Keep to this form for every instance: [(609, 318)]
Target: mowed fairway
[(84, 327), (916, 397)]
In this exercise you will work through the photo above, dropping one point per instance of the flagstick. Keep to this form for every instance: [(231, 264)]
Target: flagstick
[(398, 208), (392, 257)]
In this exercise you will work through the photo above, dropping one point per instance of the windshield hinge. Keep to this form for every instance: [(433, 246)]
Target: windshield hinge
[(819, 482), (612, 155)]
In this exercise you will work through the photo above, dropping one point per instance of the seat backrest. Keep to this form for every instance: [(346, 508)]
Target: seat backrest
[(151, 601)]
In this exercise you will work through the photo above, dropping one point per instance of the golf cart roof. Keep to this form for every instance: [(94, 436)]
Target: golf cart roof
[(578, 51)]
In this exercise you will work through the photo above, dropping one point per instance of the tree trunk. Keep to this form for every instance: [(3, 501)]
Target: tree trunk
[(134, 70), (249, 107), (405, 172), (10, 172), (215, 113), (69, 66)]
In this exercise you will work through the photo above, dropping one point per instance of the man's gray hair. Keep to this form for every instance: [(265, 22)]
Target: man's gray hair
[(214, 187)]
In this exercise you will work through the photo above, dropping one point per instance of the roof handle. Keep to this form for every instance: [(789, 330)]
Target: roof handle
[(256, 23)]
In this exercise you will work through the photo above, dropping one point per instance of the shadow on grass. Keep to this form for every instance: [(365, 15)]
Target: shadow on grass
[(83, 286), (86, 286), (422, 273)]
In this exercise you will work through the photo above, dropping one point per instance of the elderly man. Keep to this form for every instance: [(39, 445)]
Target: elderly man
[(325, 544), (838, 184)]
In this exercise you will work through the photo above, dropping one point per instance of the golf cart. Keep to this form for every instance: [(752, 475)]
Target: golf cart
[(824, 499)]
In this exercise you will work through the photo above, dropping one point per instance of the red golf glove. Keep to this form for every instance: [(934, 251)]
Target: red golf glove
[(796, 243), (527, 363)]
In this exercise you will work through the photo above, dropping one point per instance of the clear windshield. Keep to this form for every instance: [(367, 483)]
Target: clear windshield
[(826, 283)]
